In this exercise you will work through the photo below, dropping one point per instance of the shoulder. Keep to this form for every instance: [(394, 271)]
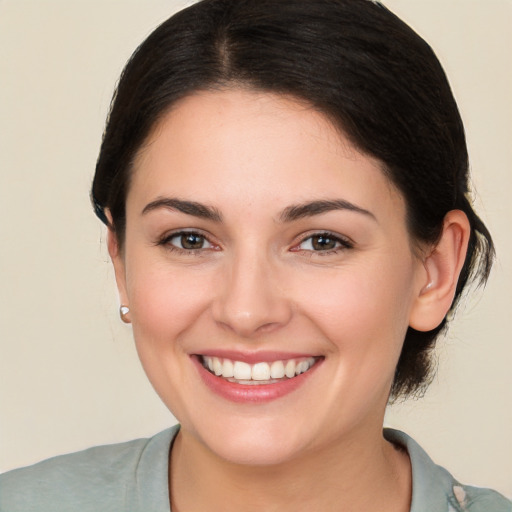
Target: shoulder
[(436, 490), (100, 478)]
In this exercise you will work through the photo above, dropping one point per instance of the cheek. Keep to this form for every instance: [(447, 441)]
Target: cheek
[(164, 300), (364, 317), (165, 306), (361, 307)]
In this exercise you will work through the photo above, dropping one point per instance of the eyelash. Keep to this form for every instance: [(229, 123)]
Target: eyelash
[(341, 243), (166, 242)]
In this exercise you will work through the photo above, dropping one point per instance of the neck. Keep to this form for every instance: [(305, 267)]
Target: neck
[(359, 473)]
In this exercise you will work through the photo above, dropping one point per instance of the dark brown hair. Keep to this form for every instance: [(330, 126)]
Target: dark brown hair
[(352, 60)]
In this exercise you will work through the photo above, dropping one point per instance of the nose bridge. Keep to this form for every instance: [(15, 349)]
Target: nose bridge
[(251, 300)]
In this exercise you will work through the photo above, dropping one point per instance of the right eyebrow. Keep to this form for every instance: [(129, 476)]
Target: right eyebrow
[(188, 207)]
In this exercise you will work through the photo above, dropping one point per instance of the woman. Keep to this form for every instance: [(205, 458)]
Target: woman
[(285, 188)]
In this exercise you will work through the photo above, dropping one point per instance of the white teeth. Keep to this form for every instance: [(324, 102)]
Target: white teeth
[(263, 372), (289, 369), (227, 368), (302, 367), (242, 371), (277, 370), (217, 366)]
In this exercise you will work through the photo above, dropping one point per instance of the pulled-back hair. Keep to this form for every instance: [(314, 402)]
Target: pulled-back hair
[(369, 73)]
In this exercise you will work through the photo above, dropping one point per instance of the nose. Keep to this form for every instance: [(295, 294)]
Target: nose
[(251, 299)]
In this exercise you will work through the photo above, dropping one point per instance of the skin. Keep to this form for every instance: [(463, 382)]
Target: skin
[(257, 283)]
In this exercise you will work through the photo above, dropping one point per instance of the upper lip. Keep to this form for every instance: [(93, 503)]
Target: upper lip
[(252, 357)]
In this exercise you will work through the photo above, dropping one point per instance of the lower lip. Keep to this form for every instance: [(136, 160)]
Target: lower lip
[(256, 393)]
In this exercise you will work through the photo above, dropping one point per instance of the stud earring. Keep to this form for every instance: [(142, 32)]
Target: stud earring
[(124, 312)]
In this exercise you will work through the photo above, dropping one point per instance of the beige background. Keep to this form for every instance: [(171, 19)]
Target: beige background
[(69, 375)]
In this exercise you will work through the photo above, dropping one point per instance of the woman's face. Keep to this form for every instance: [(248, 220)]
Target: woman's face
[(261, 243)]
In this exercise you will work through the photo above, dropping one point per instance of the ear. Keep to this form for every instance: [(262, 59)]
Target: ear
[(117, 258), (443, 265)]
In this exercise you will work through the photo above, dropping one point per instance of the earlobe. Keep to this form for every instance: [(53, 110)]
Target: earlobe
[(443, 265)]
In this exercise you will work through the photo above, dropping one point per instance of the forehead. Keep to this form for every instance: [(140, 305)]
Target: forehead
[(239, 146)]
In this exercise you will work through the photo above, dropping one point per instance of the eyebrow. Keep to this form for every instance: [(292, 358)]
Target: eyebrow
[(289, 214), (189, 207), (312, 208)]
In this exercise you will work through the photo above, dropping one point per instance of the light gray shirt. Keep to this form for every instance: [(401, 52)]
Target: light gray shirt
[(132, 477)]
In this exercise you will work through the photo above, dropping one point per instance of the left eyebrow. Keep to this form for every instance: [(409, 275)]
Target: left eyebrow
[(312, 208)]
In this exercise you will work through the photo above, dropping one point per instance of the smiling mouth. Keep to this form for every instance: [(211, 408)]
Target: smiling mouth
[(259, 373)]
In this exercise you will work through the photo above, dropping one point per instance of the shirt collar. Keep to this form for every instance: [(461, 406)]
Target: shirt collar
[(432, 485)]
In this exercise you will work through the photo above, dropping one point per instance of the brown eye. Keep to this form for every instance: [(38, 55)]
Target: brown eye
[(323, 242), (188, 241), (192, 241)]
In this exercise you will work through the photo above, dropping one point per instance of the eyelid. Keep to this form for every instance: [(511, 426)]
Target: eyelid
[(165, 239), (344, 241), (179, 236)]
